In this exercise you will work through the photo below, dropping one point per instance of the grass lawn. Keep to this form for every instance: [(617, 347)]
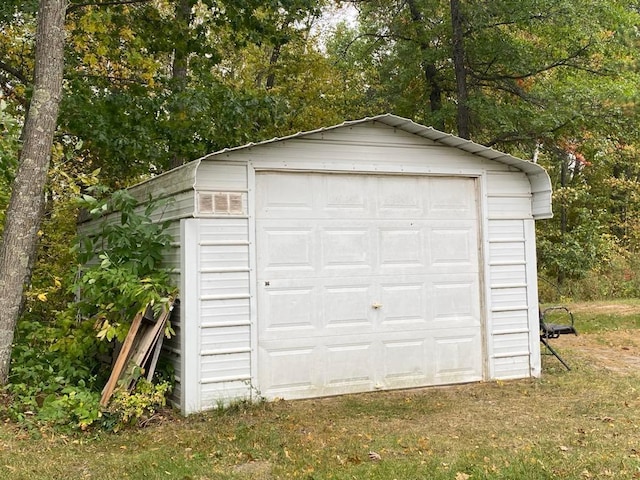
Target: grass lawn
[(582, 424)]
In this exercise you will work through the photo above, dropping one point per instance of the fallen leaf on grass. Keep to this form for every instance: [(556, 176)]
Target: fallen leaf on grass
[(462, 476)]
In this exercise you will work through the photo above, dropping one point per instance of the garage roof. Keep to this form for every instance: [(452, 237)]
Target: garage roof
[(538, 177)]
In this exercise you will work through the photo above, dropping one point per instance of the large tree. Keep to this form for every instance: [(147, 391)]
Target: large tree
[(27, 196)]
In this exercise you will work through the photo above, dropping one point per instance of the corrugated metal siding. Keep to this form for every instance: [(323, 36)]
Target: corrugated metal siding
[(309, 155), (370, 134), (509, 338), (508, 195), (168, 184), (225, 314), (509, 206), (363, 148)]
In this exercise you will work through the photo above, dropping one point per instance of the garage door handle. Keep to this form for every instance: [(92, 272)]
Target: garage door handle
[(377, 305)]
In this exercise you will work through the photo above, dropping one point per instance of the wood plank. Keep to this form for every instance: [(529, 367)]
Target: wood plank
[(118, 367), (146, 338)]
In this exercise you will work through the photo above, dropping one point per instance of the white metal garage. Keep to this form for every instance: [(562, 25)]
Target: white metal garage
[(374, 254)]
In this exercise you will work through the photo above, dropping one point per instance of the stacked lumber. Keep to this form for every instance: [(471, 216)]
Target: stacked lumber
[(139, 352)]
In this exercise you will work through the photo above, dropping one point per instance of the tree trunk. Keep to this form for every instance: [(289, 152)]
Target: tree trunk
[(429, 69), (460, 71), (25, 209), (275, 55), (179, 76)]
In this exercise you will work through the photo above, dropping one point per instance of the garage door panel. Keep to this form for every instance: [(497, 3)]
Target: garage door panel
[(453, 247), (348, 364), (343, 196), (287, 196), (375, 285), (346, 248), (401, 246), (404, 362), (403, 303), (288, 369), (346, 306), (451, 198), (455, 302), (289, 309), (399, 197), (456, 356), (288, 248)]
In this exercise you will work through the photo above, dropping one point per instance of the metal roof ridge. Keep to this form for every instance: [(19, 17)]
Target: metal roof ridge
[(406, 124)]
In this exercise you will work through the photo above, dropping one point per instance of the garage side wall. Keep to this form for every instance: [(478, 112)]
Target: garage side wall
[(512, 280), (174, 195), (216, 289)]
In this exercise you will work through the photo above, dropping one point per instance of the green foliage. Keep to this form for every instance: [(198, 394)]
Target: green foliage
[(56, 373), (617, 278), (136, 407), (9, 144), (586, 247), (128, 276), (54, 359), (53, 374)]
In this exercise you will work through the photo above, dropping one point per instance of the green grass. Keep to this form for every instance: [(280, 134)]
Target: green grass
[(592, 317), (582, 424)]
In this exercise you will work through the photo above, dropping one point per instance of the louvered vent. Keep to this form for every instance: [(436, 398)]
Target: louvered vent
[(220, 203)]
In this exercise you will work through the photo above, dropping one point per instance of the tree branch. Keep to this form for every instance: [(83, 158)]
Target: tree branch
[(15, 72), (509, 137), (564, 62), (78, 6)]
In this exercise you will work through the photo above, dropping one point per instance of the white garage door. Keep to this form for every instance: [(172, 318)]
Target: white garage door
[(366, 282)]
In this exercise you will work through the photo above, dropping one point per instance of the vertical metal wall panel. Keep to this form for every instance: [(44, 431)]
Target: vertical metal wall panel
[(509, 296), (535, 368), (224, 314), (190, 314)]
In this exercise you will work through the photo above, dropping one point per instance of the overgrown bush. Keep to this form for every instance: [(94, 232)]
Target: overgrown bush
[(128, 275), (619, 278), (56, 374)]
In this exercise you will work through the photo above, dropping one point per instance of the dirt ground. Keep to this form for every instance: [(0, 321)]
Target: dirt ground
[(617, 350)]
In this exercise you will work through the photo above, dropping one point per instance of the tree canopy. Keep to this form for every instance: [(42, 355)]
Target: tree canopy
[(151, 84)]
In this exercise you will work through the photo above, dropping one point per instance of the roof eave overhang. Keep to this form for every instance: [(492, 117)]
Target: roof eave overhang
[(538, 177)]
